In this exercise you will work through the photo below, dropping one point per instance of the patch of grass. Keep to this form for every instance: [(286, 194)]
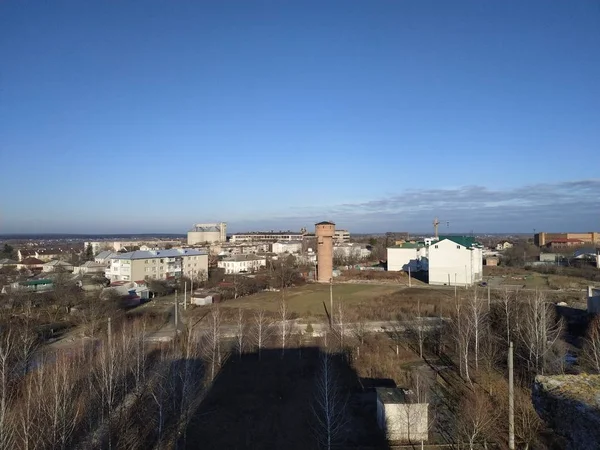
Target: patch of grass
[(309, 301)]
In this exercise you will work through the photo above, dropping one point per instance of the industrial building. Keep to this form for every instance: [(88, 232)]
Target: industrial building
[(157, 264), (448, 260), (324, 232), (267, 236), (207, 233), (546, 239), (242, 263), (351, 251), (400, 416)]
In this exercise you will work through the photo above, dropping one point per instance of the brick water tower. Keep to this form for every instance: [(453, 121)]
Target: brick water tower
[(324, 232)]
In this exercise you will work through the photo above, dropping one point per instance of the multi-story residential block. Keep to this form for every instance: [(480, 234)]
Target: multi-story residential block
[(449, 260), (267, 236), (157, 264), (350, 250), (286, 247), (117, 246), (341, 236), (242, 263)]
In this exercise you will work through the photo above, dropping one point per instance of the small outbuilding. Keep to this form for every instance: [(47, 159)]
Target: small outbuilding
[(401, 416)]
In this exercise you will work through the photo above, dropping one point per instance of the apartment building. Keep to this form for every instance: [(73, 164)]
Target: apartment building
[(341, 236), (242, 263), (157, 264)]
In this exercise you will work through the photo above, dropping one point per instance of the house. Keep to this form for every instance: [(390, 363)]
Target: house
[(49, 254), (131, 289), (23, 253), (503, 246), (400, 416), (157, 264), (30, 263), (90, 267), (448, 260), (33, 285), (57, 266), (286, 247), (242, 263)]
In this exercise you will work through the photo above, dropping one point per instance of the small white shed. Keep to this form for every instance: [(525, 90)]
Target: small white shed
[(399, 417)]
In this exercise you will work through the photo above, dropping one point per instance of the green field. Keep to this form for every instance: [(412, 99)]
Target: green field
[(309, 301)]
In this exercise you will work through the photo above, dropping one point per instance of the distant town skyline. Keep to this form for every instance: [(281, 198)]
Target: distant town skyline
[(128, 118)]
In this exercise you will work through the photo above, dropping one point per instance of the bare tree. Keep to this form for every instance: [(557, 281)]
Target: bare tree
[(63, 405), (416, 329), (240, 332), (340, 323), (212, 341), (476, 417), (462, 334), (477, 316), (262, 329), (591, 346), (539, 331), (329, 406), (7, 348), (507, 302), (359, 329), (527, 424), (284, 326)]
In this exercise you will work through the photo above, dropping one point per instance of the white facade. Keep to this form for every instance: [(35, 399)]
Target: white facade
[(341, 236), (406, 422), (401, 258), (454, 264), (287, 247), (242, 263), (448, 262), (503, 246), (90, 267), (57, 266), (162, 264)]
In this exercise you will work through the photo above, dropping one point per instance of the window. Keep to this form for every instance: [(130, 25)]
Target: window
[(146, 261), (458, 247), (436, 246)]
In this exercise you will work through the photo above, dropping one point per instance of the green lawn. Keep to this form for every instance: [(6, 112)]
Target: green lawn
[(308, 301)]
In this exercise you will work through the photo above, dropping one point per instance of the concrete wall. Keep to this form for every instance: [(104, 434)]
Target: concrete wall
[(404, 421)]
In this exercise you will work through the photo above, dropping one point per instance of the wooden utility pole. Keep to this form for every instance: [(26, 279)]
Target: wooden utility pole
[(185, 296), (511, 400), (409, 279)]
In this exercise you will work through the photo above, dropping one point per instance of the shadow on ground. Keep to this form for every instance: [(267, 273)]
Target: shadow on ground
[(267, 403)]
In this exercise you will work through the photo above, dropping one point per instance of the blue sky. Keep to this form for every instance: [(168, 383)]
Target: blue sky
[(149, 116)]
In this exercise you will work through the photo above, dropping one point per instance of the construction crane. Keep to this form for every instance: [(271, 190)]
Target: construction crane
[(436, 223)]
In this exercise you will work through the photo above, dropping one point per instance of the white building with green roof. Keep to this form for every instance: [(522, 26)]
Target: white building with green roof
[(450, 260)]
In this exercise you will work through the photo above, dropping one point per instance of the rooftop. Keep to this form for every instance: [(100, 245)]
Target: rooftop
[(149, 254), (32, 261), (393, 395), (465, 241), (7, 262), (325, 222), (409, 245), (56, 262), (104, 254)]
